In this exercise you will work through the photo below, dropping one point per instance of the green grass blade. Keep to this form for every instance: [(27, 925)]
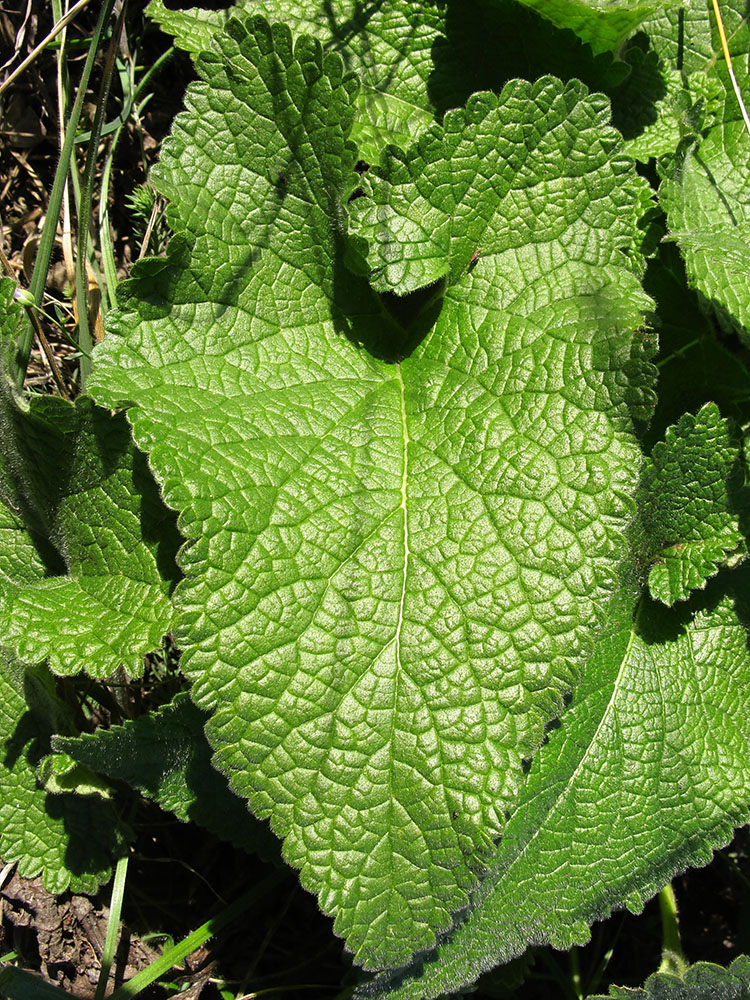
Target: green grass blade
[(179, 952), (47, 239), (113, 925), (87, 194)]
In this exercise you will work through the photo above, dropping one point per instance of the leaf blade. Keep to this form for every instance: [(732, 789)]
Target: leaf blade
[(368, 692), (583, 808), (70, 839), (89, 561), (691, 500)]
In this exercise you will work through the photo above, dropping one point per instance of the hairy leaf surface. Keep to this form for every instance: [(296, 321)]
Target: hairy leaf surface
[(87, 556), (647, 774), (400, 538), (690, 495), (166, 756), (533, 168)]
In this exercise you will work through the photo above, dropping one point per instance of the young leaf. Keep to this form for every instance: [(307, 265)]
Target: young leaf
[(702, 981), (166, 756), (658, 104), (634, 786), (88, 547), (704, 193), (397, 550), (688, 504), (71, 839)]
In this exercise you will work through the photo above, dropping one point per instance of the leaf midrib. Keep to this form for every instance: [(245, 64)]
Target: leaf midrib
[(404, 507), (541, 824)]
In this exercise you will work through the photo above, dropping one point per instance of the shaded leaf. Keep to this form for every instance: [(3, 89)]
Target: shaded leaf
[(679, 85), (165, 756), (88, 548), (70, 839), (704, 193), (695, 366)]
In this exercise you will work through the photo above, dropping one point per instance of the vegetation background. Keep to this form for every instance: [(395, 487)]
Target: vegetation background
[(179, 875)]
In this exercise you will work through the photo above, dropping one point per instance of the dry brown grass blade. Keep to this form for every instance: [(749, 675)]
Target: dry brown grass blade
[(50, 36), (20, 33)]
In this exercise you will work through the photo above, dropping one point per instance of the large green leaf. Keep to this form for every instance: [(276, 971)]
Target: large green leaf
[(646, 775), (399, 540), (87, 547), (70, 839)]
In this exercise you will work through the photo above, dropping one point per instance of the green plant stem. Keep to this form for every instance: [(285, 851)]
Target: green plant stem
[(182, 949), (47, 239), (678, 353), (672, 957), (575, 973), (113, 926)]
